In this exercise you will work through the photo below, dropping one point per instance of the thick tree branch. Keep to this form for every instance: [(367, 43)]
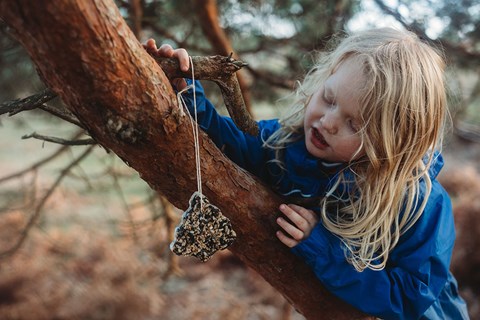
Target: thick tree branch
[(220, 70), (125, 101)]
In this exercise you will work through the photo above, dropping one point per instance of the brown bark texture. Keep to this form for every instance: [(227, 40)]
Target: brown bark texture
[(221, 70), (86, 53)]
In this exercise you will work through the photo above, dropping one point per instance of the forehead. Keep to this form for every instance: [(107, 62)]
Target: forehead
[(347, 82), (348, 74)]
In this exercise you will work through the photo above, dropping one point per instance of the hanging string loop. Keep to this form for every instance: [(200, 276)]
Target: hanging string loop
[(194, 122)]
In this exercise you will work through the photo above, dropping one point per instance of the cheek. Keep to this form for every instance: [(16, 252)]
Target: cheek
[(350, 148), (311, 113), (307, 117)]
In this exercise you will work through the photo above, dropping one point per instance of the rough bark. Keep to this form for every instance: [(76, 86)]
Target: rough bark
[(221, 70), (89, 57)]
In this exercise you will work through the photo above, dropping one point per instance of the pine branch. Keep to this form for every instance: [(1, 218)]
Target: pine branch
[(220, 70), (80, 142), (32, 102)]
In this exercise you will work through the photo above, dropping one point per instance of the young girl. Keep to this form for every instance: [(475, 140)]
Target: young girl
[(360, 145)]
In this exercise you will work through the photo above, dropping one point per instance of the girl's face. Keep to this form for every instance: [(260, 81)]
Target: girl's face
[(332, 116)]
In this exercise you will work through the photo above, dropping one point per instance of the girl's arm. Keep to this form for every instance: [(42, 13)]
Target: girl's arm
[(245, 150), (417, 271)]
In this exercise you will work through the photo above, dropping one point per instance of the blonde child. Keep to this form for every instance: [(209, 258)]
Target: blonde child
[(360, 144)]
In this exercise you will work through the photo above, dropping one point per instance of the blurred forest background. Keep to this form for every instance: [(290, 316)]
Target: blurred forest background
[(83, 237)]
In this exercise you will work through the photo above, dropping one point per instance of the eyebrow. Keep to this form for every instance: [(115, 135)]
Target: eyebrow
[(328, 93)]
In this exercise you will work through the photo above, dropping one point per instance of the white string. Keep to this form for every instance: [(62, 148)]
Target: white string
[(194, 123)]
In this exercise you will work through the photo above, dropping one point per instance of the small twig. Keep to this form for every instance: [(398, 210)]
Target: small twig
[(220, 70), (82, 175), (38, 101), (32, 102), (62, 113), (38, 209), (80, 142), (121, 195), (39, 163)]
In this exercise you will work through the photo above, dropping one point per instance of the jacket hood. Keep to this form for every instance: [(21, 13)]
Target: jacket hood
[(436, 165)]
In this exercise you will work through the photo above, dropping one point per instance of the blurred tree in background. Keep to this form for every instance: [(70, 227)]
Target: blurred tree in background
[(453, 26), (277, 37)]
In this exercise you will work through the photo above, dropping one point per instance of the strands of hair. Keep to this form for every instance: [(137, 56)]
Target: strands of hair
[(404, 109)]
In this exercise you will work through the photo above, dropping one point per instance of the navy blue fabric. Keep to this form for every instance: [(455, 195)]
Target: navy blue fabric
[(415, 284)]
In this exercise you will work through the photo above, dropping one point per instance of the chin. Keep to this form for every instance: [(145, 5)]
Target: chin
[(314, 151)]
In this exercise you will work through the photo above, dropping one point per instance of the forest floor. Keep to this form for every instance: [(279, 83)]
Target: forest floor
[(100, 246), (99, 249)]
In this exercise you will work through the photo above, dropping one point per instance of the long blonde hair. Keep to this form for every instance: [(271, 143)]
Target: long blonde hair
[(403, 107)]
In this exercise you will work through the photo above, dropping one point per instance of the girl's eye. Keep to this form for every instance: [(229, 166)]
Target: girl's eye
[(353, 126), (327, 100), (324, 98)]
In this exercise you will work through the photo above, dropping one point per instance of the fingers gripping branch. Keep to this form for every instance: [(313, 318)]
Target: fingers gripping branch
[(220, 70)]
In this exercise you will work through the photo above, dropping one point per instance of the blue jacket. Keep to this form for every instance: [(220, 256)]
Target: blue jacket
[(415, 284)]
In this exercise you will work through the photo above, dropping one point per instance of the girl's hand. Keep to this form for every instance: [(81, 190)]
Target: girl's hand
[(302, 221), (167, 51)]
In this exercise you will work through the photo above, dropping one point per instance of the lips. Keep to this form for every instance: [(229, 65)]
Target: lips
[(318, 140)]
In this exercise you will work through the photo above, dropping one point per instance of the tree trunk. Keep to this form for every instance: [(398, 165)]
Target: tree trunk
[(86, 53)]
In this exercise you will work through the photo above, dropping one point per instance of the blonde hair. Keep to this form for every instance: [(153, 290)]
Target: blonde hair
[(403, 107)]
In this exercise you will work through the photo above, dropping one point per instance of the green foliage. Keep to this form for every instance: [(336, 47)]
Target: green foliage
[(275, 37)]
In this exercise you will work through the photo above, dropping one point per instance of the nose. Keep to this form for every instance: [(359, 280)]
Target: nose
[(330, 123)]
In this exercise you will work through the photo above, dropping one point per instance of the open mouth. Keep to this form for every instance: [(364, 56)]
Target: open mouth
[(318, 140)]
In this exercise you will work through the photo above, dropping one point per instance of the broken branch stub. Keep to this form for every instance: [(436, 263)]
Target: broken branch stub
[(220, 70)]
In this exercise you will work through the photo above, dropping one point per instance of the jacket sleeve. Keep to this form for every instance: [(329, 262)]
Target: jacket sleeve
[(415, 274), (245, 150)]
